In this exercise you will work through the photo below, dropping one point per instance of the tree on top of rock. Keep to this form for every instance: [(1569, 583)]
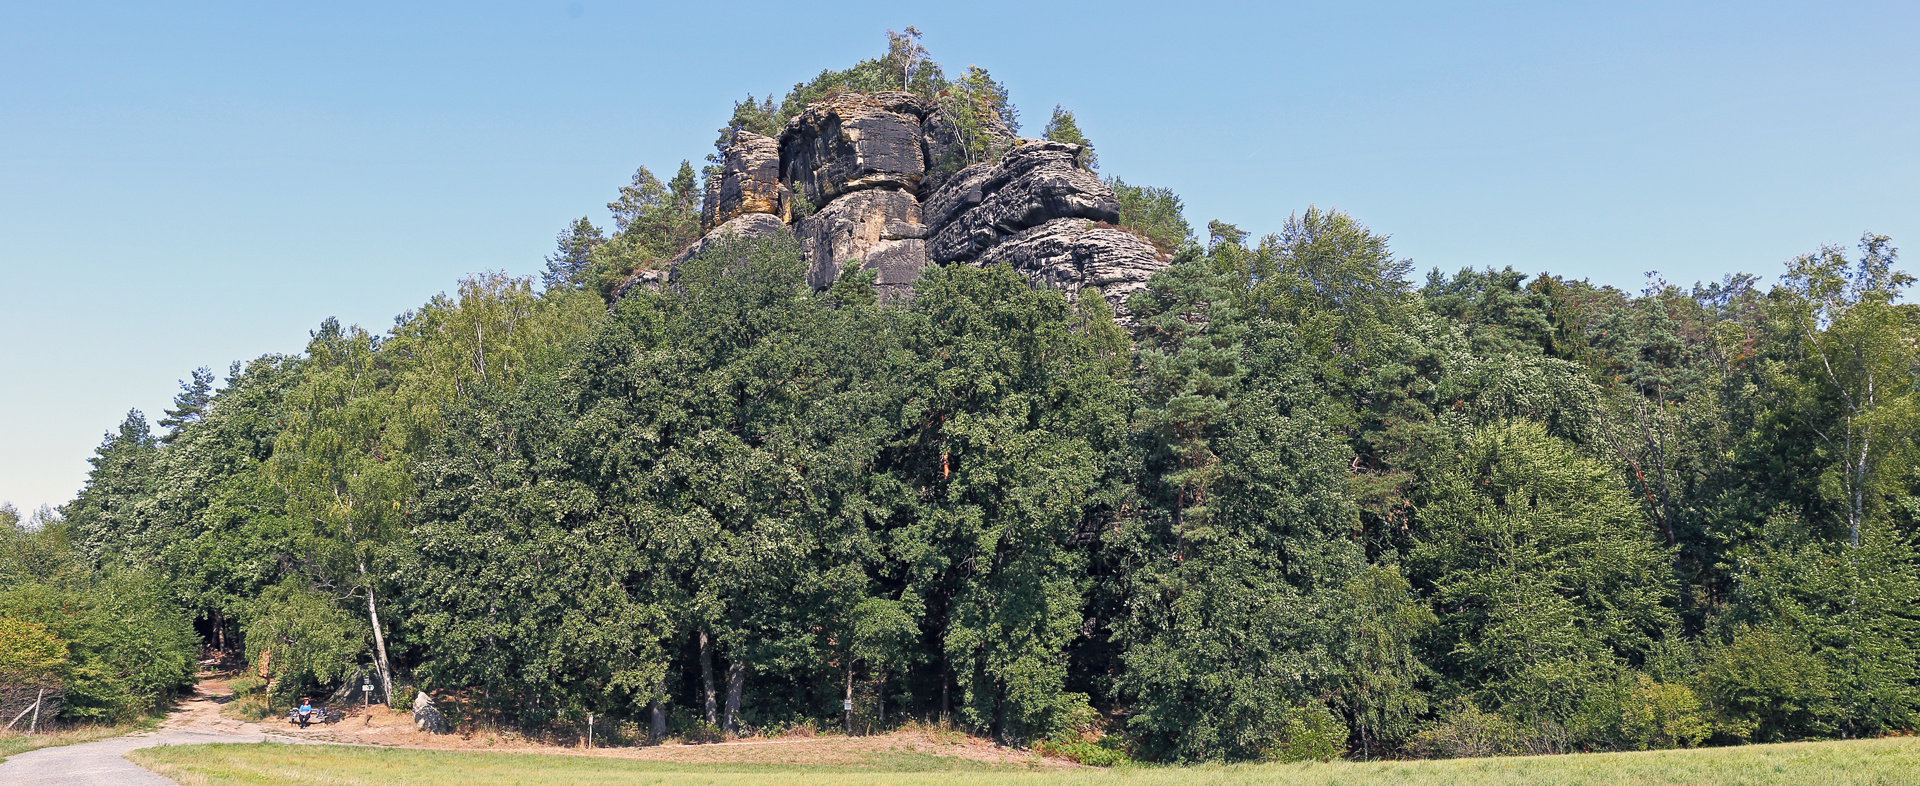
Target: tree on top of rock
[(1062, 128)]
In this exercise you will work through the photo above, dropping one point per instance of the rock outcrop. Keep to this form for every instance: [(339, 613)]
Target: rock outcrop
[(749, 225), (426, 716), (749, 182), (1036, 182), (872, 165), (1072, 253), (879, 227), (854, 141)]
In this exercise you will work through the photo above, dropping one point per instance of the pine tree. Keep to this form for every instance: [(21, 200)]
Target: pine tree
[(190, 406), (569, 264), (105, 518), (1062, 128)]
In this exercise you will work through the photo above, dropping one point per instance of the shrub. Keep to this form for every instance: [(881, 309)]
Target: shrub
[(1313, 733), (1105, 752), (1469, 732), (1768, 686), (127, 649), (1662, 715)]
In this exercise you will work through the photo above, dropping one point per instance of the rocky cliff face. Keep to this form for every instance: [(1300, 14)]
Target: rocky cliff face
[(876, 171)]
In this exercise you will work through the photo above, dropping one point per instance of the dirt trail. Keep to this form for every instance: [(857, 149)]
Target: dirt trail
[(195, 720)]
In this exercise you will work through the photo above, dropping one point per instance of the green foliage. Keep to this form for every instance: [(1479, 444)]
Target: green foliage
[(1660, 715), (1290, 507), (1063, 128), (29, 655), (1107, 751), (1466, 731), (128, 649), (1313, 733), (906, 66), (1237, 609), (1545, 573), (1154, 212), (303, 639), (190, 405), (572, 262), (976, 111), (654, 221), (1769, 686)]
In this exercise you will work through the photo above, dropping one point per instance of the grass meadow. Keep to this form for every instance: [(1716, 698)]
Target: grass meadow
[(1880, 762)]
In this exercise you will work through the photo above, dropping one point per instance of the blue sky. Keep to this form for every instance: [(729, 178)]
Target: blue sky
[(185, 185)]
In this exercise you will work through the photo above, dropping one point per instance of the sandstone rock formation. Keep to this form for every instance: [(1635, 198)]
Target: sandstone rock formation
[(879, 227), (1034, 183), (1071, 253), (854, 141), (872, 165), (749, 182), (748, 225), (946, 151)]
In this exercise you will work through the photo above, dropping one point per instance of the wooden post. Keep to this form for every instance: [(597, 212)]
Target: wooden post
[(35, 728), (589, 731)]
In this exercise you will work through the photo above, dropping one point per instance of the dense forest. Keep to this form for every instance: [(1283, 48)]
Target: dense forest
[(1296, 504)]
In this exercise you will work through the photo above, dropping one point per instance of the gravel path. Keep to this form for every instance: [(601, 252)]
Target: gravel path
[(196, 721)]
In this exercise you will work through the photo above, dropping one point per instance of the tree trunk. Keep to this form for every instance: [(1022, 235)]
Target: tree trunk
[(847, 706), (706, 681), (659, 728), (379, 640), (736, 682)]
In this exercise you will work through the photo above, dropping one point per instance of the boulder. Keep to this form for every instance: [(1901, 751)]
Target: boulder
[(946, 155), (1034, 183), (748, 225), (879, 227), (1070, 253), (427, 717), (749, 182), (649, 279), (854, 141)]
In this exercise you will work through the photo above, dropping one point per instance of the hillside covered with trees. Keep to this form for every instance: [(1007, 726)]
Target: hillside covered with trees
[(1282, 501)]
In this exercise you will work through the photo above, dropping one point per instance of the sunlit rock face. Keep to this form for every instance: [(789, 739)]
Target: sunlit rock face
[(878, 227), (749, 182)]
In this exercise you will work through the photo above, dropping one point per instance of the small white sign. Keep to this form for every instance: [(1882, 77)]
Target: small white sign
[(847, 704)]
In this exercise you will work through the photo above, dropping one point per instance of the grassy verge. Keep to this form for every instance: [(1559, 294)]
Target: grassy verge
[(1878, 762), (11, 744)]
